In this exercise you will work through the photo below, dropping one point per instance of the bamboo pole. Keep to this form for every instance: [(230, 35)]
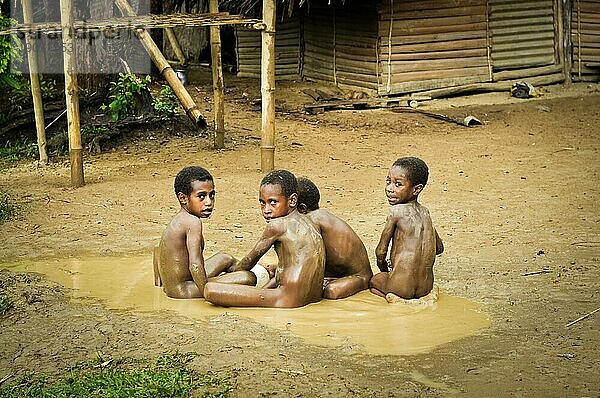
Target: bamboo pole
[(165, 69), (71, 95), (175, 46), (36, 92), (217, 75), (267, 146)]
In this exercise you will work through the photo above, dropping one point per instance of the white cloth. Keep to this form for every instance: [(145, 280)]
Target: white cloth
[(262, 275)]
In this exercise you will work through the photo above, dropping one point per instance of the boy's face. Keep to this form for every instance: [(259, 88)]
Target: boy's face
[(274, 203), (398, 188), (201, 201)]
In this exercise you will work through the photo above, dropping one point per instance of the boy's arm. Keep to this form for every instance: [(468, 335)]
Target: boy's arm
[(194, 242), (439, 245), (384, 241), (268, 238)]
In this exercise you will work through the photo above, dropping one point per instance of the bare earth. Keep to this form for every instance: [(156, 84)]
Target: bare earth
[(517, 195)]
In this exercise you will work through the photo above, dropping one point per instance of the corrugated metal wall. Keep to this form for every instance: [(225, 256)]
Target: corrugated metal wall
[(287, 50), (340, 43), (432, 44), (586, 40), (522, 32)]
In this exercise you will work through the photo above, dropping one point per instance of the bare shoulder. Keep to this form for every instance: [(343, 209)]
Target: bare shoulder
[(322, 217), (184, 220), (276, 227)]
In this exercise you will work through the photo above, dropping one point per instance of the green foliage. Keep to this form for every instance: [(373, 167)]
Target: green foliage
[(59, 143), (8, 209), (18, 151), (90, 131), (5, 305), (169, 376), (166, 103), (124, 92), (11, 50)]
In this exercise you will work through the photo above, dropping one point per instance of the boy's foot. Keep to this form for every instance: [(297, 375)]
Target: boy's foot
[(428, 299)]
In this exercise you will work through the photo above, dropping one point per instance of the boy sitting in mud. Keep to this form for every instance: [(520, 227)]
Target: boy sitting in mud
[(298, 279), (179, 264), (347, 268), (415, 242)]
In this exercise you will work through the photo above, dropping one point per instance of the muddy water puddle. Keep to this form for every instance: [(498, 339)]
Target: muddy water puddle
[(363, 320)]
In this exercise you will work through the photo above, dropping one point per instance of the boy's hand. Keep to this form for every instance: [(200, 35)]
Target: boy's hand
[(271, 268)]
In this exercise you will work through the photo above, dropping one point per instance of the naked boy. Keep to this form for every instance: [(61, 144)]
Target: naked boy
[(415, 242), (179, 263), (298, 278), (347, 268)]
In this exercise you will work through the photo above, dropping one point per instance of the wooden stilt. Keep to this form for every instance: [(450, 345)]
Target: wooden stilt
[(267, 71), (175, 45), (217, 75), (71, 95), (165, 69), (36, 92)]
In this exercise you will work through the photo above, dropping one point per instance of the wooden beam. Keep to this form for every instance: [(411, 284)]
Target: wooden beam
[(217, 75), (567, 14), (267, 146), (36, 92), (71, 94), (175, 46), (165, 69)]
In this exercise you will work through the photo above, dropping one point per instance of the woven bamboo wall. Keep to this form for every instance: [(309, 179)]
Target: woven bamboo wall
[(586, 40), (287, 50), (340, 43)]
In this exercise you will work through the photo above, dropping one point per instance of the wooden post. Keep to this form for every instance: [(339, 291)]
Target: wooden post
[(71, 95), (165, 69), (267, 77), (217, 75), (567, 14), (175, 45), (38, 107)]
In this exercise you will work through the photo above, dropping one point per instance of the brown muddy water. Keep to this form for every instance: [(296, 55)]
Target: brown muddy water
[(361, 321)]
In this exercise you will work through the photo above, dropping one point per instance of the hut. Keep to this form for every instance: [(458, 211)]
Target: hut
[(394, 47)]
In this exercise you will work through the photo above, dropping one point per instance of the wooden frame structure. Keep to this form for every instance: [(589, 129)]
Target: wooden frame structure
[(139, 24)]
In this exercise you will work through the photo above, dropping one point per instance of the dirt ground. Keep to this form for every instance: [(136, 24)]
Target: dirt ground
[(517, 195)]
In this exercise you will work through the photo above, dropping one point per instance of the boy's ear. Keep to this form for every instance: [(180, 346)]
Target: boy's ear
[(302, 208), (294, 200), (183, 199), (417, 189)]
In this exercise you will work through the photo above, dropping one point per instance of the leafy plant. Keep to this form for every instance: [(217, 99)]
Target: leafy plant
[(8, 209), (5, 305), (18, 151), (169, 376), (166, 103), (11, 50), (124, 92)]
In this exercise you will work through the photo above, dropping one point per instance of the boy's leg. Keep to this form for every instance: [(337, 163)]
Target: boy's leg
[(343, 287), (248, 296), (218, 263), (377, 283), (155, 258), (239, 277)]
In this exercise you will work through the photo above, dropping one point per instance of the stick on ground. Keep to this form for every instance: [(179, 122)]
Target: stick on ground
[(583, 317)]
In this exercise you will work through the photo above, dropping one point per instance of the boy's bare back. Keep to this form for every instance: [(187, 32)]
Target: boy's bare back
[(413, 251), (181, 244), (415, 242), (345, 252)]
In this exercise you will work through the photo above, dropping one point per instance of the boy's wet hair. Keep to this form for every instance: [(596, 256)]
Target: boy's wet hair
[(187, 175), (285, 179), (308, 193), (416, 169)]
